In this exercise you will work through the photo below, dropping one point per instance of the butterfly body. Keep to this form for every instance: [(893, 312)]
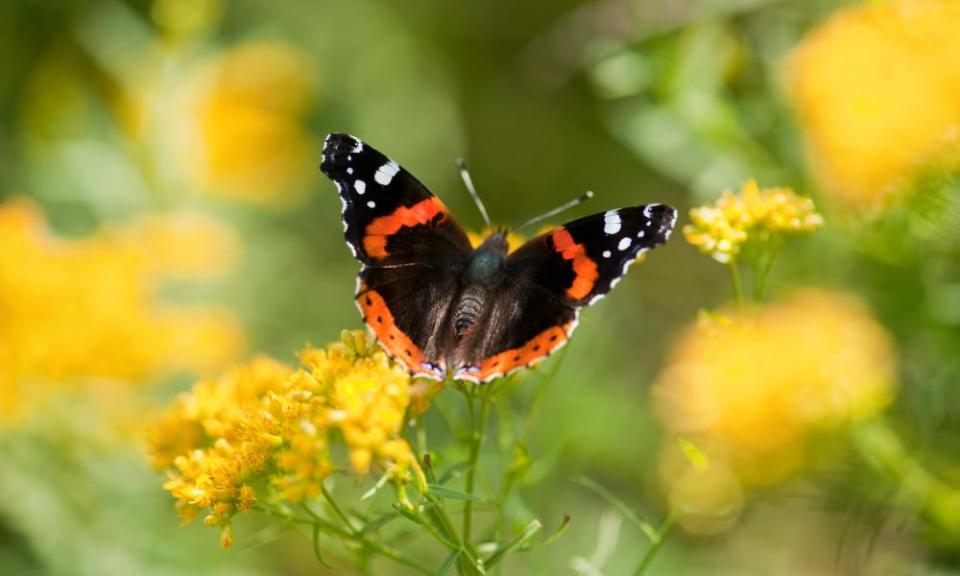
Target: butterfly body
[(442, 307)]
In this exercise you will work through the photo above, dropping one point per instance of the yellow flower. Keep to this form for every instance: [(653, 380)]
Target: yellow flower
[(877, 90), (242, 134), (261, 431), (514, 240), (756, 386), (80, 310), (758, 214), (368, 398)]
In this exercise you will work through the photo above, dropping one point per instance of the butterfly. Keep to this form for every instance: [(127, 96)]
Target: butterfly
[(441, 307)]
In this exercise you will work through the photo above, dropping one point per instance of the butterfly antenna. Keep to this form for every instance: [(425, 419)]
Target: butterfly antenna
[(468, 182), (551, 213)]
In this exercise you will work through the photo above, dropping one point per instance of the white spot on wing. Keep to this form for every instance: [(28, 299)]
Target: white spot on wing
[(606, 253), (641, 234), (611, 222), (386, 173), (349, 170), (360, 186), (624, 243), (358, 147), (371, 204)]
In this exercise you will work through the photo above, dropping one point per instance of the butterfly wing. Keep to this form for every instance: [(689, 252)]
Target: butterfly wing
[(411, 248), (550, 278)]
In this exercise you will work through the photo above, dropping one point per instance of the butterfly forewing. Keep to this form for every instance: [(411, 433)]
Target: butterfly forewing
[(389, 217), (412, 249)]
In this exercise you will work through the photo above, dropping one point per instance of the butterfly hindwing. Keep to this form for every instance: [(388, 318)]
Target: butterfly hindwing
[(551, 277), (412, 250)]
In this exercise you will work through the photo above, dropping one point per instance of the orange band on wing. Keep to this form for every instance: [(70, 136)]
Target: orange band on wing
[(537, 348), (583, 266), (379, 318), (377, 232)]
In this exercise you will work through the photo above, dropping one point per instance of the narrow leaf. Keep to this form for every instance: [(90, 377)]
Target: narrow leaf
[(455, 471), (649, 531), (451, 494), (519, 542), (564, 524), (448, 563)]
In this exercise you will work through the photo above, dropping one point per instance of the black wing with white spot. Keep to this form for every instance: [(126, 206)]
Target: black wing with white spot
[(389, 217), (548, 280), (412, 250), (583, 260)]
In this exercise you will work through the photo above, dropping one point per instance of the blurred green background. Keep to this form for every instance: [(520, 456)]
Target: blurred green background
[(113, 112)]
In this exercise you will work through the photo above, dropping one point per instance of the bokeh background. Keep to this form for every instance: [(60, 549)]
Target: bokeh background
[(162, 217)]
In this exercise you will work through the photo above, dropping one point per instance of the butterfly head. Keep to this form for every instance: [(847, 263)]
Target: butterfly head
[(487, 261)]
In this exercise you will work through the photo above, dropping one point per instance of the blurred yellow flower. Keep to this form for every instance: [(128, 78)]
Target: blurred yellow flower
[(243, 114), (877, 90), (721, 230), (261, 431), (758, 384), (514, 240), (85, 309)]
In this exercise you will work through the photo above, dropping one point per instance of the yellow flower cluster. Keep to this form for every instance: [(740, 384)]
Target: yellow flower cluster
[(877, 90), (756, 384), (261, 431), (85, 309), (754, 214)]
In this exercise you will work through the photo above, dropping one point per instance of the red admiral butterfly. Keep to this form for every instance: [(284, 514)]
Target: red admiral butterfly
[(437, 305)]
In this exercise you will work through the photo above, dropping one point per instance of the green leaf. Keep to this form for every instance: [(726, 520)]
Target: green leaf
[(455, 471), (519, 542), (408, 514), (564, 524), (451, 494), (649, 531), (448, 563)]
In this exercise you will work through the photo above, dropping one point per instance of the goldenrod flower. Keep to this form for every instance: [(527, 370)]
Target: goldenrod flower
[(877, 88), (85, 309), (261, 431), (758, 214), (242, 134), (758, 384)]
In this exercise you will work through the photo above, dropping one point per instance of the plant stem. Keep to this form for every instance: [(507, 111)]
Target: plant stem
[(421, 432), (764, 265), (737, 283), (662, 534), (337, 510), (358, 537), (479, 428)]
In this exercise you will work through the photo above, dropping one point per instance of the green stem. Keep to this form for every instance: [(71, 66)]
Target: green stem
[(338, 512), (764, 266), (479, 427), (737, 283), (421, 435), (389, 552), (468, 555), (919, 489), (654, 549)]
